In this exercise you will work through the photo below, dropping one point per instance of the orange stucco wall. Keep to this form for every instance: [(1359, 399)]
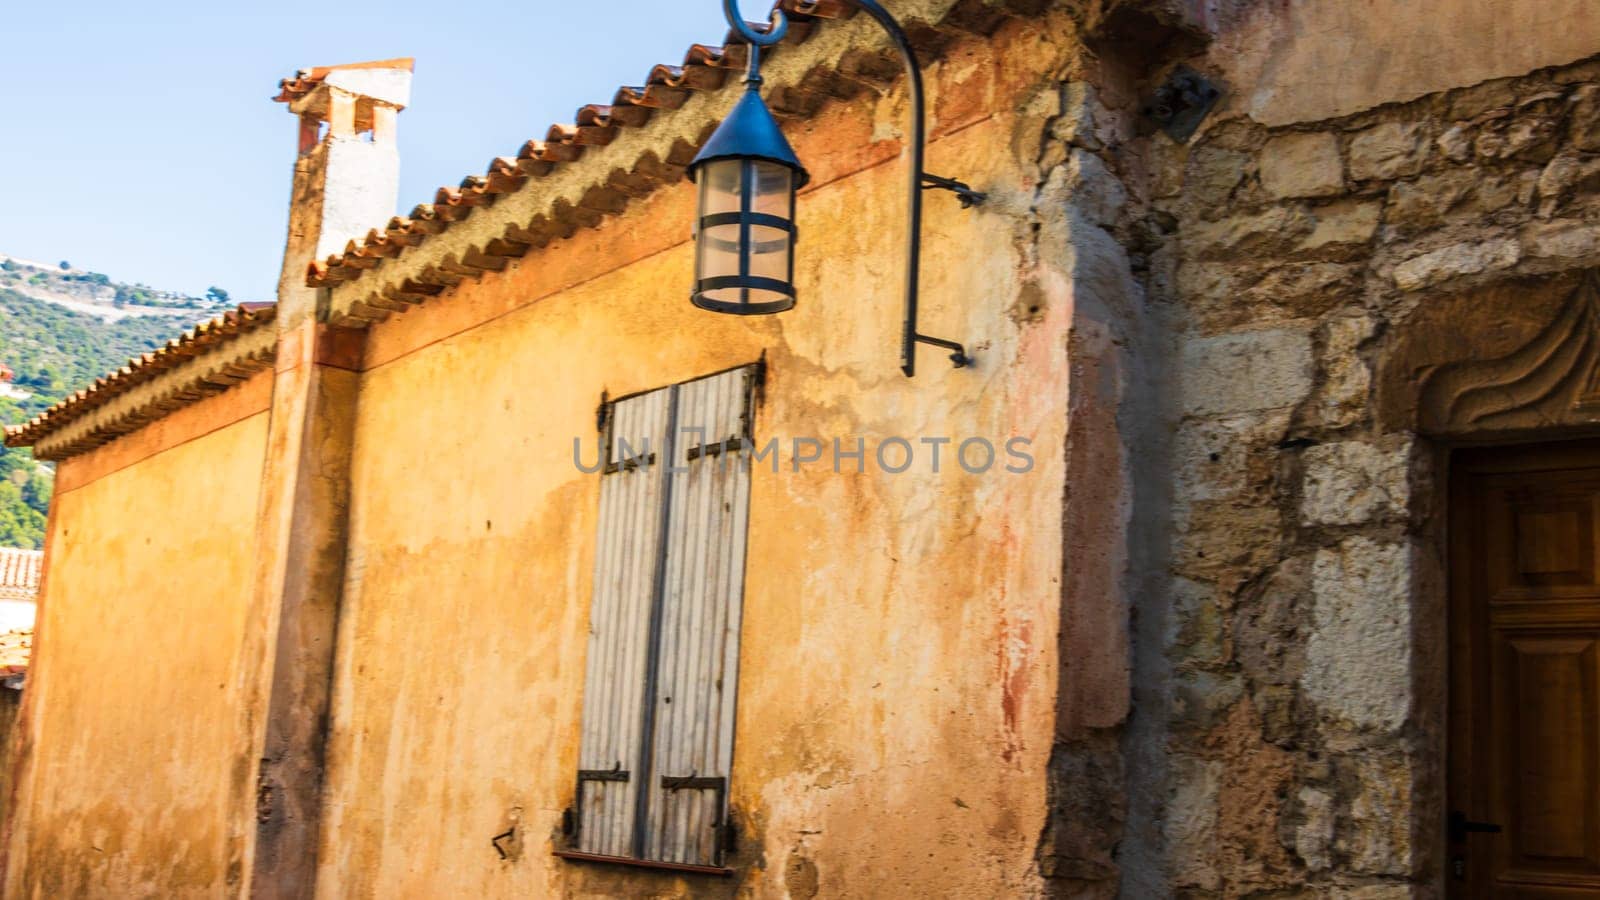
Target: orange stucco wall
[(132, 748), (896, 692)]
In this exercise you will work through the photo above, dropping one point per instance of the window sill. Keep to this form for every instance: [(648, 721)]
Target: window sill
[(579, 856)]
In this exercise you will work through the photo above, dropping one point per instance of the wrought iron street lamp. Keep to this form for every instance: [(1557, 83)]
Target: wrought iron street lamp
[(747, 174), (744, 233)]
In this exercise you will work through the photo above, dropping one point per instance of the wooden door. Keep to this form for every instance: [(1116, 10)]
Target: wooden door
[(1524, 800)]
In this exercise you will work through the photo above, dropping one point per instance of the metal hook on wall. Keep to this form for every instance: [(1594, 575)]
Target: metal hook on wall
[(777, 27)]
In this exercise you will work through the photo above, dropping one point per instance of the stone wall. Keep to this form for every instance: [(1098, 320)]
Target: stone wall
[(1289, 697)]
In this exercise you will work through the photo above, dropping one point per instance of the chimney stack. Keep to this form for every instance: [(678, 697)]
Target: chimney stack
[(347, 173)]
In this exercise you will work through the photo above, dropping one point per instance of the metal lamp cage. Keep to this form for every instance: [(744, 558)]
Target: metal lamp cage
[(744, 237)]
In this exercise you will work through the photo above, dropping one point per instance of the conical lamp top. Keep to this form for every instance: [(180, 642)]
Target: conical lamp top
[(750, 132)]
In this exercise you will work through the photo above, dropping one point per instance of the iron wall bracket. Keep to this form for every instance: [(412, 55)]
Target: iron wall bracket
[(1181, 103), (964, 192), (910, 337)]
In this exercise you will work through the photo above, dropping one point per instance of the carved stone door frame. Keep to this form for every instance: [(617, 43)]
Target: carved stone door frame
[(1514, 363)]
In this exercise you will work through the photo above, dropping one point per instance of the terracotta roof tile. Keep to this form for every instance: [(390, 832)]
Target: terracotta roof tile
[(224, 328), (666, 88), (19, 573), (16, 648)]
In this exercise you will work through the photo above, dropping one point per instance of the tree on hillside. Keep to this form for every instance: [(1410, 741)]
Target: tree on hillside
[(20, 525), (65, 265), (216, 295)]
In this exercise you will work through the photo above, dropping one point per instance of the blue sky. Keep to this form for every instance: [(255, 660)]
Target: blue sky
[(138, 139)]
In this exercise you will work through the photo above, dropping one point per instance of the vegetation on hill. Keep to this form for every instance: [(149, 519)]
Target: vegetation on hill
[(54, 351), (65, 283)]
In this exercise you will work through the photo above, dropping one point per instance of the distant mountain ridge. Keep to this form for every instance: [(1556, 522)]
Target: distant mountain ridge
[(96, 294)]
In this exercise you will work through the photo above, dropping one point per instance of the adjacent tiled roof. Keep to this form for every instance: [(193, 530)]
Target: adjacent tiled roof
[(16, 647), (665, 88), (19, 573), (141, 369), (306, 80)]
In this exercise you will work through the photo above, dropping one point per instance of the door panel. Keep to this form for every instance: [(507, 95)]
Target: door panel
[(1525, 673)]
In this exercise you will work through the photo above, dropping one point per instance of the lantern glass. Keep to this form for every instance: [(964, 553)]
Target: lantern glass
[(745, 236)]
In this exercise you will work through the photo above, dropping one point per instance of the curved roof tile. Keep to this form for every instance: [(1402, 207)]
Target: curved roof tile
[(224, 328)]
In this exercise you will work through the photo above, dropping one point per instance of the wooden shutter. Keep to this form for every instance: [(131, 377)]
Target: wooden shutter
[(625, 575), (699, 627)]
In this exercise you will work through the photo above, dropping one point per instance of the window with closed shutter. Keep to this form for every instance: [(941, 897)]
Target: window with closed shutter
[(663, 657)]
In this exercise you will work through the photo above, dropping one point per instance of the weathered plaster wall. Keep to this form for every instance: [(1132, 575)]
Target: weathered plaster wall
[(1309, 60), (900, 667), (1317, 248), (129, 756), (1216, 349)]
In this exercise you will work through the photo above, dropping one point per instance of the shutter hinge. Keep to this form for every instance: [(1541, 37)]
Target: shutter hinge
[(716, 448), (617, 773), (722, 828), (629, 463), (602, 413)]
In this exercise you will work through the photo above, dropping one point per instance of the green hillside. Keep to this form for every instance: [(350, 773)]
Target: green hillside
[(54, 351)]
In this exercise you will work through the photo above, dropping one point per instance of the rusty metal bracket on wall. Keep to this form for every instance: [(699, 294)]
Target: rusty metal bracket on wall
[(1181, 103)]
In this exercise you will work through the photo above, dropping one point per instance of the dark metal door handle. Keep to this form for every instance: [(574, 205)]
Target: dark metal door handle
[(1461, 826)]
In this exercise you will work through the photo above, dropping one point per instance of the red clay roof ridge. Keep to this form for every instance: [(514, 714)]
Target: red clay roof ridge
[(197, 341), (704, 68)]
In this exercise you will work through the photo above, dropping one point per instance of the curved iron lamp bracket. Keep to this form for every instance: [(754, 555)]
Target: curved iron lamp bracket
[(920, 180)]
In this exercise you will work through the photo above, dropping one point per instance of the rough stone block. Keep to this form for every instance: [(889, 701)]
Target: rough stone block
[(1191, 822), (1341, 224), (1346, 377), (1246, 371), (1265, 627), (1526, 136), (1456, 260), (1213, 173), (1388, 151), (1302, 165), (1586, 118), (1351, 482), (1090, 187), (1195, 633), (1080, 114), (1313, 839), (1456, 143), (1226, 457), (1278, 226), (1200, 700), (1374, 892), (1226, 542), (1423, 203), (1226, 296), (1562, 239), (1358, 659), (1376, 835)]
